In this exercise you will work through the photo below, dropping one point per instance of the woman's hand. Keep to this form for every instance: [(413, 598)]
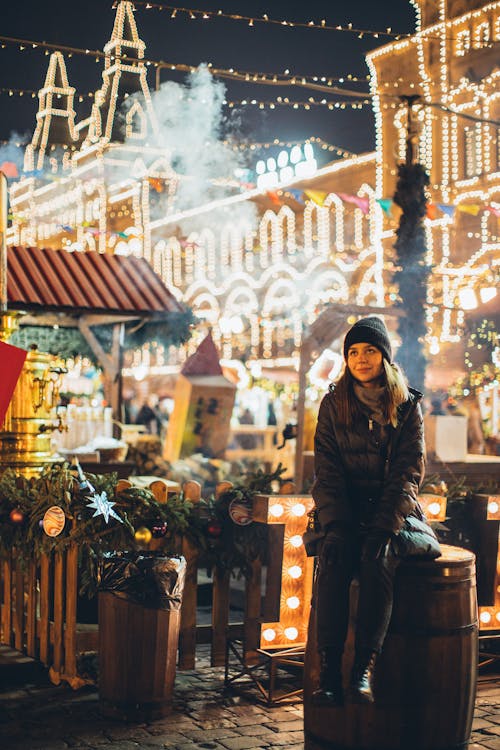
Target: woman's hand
[(336, 544)]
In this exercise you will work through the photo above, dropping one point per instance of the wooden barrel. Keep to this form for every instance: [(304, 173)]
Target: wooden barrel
[(137, 658), (425, 681)]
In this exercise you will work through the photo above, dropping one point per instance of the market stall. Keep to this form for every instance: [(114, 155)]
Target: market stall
[(94, 305)]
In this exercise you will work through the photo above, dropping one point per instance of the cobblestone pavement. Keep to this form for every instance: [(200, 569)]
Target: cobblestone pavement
[(36, 715)]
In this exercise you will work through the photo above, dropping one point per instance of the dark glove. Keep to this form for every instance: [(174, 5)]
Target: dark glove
[(376, 544), (337, 543)]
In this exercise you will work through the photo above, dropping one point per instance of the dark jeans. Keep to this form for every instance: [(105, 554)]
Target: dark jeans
[(339, 562)]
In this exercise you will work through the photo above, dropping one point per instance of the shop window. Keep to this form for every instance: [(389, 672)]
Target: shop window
[(482, 35), (472, 155), (462, 43)]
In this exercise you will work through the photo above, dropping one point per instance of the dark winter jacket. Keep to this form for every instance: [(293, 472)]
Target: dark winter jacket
[(360, 479)]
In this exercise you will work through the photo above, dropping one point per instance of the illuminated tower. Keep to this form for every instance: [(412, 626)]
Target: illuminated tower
[(123, 78), (55, 118)]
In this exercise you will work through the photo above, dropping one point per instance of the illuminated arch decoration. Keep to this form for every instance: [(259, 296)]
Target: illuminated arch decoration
[(289, 574), (286, 230), (371, 287), (316, 224), (330, 286), (280, 296), (88, 242), (206, 306), (336, 218), (167, 262), (136, 122), (232, 244), (269, 237)]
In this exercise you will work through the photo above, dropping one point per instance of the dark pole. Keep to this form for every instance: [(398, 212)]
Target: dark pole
[(410, 246)]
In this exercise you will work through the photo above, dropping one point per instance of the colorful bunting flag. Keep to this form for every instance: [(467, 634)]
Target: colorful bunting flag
[(274, 198), (317, 196), (386, 205), (469, 208), (297, 195), (362, 203), (431, 212), (447, 209)]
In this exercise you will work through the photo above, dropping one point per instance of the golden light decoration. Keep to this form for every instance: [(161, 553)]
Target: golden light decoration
[(434, 506), (493, 508), (296, 569)]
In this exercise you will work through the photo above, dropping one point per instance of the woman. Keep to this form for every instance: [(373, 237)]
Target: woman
[(369, 462)]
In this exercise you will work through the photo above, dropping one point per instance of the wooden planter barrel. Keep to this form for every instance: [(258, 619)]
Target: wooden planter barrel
[(425, 682), (137, 658)]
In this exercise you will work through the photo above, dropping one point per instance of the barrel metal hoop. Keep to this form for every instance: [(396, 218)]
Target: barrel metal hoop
[(431, 632), (319, 742)]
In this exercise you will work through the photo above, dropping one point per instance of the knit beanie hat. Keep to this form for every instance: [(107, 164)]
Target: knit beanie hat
[(370, 330)]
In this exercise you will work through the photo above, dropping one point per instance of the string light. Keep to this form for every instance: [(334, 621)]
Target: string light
[(194, 13), (319, 83), (307, 105)]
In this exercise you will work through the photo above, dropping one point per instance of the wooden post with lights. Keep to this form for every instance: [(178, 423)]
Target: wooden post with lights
[(289, 575), (486, 516)]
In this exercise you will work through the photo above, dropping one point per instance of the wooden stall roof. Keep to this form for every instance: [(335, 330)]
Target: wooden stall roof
[(84, 282)]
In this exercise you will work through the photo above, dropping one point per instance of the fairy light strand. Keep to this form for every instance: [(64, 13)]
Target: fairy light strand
[(270, 79), (196, 14)]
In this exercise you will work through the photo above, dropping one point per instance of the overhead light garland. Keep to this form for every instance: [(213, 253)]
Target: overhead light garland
[(205, 15), (320, 83), (286, 102)]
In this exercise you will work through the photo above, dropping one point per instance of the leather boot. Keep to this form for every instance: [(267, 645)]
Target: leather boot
[(361, 684), (330, 692)]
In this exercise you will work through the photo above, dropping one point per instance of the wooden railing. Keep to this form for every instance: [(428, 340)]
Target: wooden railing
[(38, 614)]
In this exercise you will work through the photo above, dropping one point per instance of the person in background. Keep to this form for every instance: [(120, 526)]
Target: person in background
[(149, 416), (247, 442), (369, 462)]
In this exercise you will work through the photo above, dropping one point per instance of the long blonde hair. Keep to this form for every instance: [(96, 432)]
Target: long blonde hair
[(396, 393)]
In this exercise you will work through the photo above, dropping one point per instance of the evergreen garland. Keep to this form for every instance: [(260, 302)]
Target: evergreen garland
[(169, 330), (233, 550), (413, 273)]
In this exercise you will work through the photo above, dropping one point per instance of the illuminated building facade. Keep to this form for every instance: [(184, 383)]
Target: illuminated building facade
[(319, 235)]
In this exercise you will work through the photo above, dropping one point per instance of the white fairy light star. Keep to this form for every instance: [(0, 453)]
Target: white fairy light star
[(103, 507)]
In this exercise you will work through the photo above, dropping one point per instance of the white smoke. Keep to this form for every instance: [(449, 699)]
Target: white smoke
[(192, 128)]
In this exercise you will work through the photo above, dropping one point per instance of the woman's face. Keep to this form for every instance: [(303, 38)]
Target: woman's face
[(365, 364)]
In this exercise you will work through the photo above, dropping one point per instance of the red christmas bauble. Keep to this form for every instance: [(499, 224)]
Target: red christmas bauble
[(16, 515), (159, 530), (214, 528)]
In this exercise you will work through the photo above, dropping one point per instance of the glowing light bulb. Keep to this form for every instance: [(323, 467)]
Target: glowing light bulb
[(296, 540), (434, 509), (276, 510), (295, 571), (485, 617), (293, 602), (299, 510), (269, 634), (492, 507), (291, 633)]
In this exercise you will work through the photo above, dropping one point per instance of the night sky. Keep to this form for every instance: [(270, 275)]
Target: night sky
[(224, 43)]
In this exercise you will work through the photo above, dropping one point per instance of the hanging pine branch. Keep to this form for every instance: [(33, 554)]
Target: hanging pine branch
[(413, 273)]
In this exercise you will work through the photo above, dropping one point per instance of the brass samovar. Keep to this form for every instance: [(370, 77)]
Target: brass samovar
[(25, 441)]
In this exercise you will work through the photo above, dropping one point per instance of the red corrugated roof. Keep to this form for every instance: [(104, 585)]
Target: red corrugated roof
[(42, 278)]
